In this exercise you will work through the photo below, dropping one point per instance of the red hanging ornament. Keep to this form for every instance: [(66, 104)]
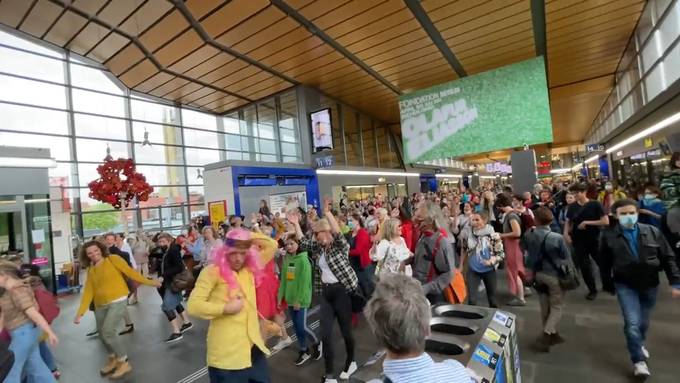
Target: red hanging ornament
[(115, 190)]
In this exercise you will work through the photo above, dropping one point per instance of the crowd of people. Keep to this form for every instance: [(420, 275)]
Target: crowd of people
[(388, 259)]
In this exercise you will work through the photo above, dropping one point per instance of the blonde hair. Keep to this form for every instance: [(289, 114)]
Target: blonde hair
[(10, 269), (387, 229)]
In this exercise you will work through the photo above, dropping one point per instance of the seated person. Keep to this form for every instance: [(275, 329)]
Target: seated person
[(399, 315)]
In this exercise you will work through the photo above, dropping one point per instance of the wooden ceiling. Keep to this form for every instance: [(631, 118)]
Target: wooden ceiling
[(218, 55)]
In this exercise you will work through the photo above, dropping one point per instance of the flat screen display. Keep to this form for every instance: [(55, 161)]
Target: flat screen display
[(499, 109), (322, 133)]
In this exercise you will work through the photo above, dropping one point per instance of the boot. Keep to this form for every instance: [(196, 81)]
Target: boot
[(110, 366), (543, 343), (556, 339), (122, 368)]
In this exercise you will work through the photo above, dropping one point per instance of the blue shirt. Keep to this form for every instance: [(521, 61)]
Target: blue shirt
[(424, 370), (631, 236), (476, 258), (656, 206)]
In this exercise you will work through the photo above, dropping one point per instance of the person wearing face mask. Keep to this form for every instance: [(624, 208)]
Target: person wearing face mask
[(609, 195), (632, 254), (670, 183), (651, 207), (225, 294), (334, 282)]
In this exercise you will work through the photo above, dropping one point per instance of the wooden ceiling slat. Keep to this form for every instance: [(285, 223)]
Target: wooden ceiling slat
[(358, 42), (345, 12), (344, 89), (508, 49), (518, 29), (321, 61), (500, 40), (243, 84), (518, 56), (145, 16), (290, 59), (224, 71), (138, 73), (88, 6), (252, 25), (266, 35), (501, 18), (169, 86), (572, 76), (190, 97), (364, 20), (442, 9), (68, 25), (593, 49), (166, 29), (108, 47), (124, 59), (195, 58), (117, 11), (603, 32), (200, 8), (610, 11), (392, 49), (209, 65), (353, 78), (284, 43), (186, 43), (231, 15), (520, 20), (239, 75), (268, 91), (155, 81), (320, 7), (41, 17), (228, 100), (13, 11), (373, 93), (184, 87), (88, 38), (410, 66), (273, 81), (329, 73), (208, 99), (184, 90), (428, 77), (556, 11), (408, 53), (417, 72)]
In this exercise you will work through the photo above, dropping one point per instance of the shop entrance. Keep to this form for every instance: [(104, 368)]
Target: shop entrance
[(12, 233)]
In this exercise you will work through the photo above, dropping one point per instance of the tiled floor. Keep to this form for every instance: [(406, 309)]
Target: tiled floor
[(595, 349)]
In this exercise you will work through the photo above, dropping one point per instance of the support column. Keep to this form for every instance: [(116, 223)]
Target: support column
[(523, 170)]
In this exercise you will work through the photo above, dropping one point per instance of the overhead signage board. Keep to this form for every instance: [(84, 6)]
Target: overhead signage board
[(591, 148), (503, 108)]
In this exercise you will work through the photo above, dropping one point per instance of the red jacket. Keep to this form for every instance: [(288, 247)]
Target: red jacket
[(362, 245), (407, 233)]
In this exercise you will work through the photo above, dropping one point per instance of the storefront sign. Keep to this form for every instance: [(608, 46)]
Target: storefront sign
[(40, 261), (498, 167), (324, 162), (590, 148)]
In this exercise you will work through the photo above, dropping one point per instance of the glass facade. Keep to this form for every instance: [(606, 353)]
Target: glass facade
[(52, 99), (649, 65)]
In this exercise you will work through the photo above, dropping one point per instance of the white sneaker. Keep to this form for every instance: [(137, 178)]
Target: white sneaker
[(350, 370), (283, 343), (645, 352), (330, 380), (641, 370)]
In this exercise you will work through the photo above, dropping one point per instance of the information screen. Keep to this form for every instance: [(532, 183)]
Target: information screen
[(499, 109), (322, 133)]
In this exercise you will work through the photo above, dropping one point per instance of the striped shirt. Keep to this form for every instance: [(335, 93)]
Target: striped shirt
[(424, 370)]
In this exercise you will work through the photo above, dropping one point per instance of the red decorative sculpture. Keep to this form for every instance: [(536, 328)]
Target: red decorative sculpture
[(110, 188)]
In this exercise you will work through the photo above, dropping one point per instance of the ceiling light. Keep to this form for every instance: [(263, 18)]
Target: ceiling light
[(23, 162), (562, 170), (591, 159), (488, 177), (332, 172), (448, 175), (37, 200), (652, 129)]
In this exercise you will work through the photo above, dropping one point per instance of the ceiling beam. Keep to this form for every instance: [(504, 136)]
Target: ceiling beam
[(196, 25), (538, 22), (313, 29), (436, 37), (148, 55)]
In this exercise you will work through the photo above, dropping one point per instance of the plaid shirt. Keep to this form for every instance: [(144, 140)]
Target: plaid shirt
[(337, 257)]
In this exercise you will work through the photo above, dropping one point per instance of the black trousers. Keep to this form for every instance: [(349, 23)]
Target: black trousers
[(490, 283), (336, 304), (583, 251)]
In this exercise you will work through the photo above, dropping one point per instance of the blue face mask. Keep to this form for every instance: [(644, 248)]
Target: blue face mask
[(350, 224), (628, 221)]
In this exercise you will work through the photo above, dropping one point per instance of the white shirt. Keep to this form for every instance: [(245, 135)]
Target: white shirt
[(327, 275), (126, 248), (391, 255)]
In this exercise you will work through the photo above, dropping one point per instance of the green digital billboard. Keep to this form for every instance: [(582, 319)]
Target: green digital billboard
[(503, 108)]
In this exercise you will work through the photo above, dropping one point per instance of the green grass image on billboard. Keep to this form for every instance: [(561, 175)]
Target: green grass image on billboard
[(499, 109)]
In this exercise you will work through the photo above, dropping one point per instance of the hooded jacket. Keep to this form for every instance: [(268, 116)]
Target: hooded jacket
[(296, 280)]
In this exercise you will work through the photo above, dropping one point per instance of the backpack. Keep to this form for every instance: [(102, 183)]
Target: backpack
[(47, 304), (455, 292)]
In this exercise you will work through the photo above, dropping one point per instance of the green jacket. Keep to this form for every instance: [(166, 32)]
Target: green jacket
[(296, 280)]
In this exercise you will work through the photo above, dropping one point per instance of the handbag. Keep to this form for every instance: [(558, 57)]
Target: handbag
[(183, 281), (456, 291), (566, 272), (358, 301)]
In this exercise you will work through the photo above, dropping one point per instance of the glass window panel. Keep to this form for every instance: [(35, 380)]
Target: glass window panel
[(232, 142), (201, 138), (93, 102), (288, 135), (101, 127), (199, 120), (268, 158), (291, 159), (247, 144), (645, 24), (672, 62), (352, 138), (165, 195), (655, 82), (266, 117), (193, 173), (30, 65), (290, 149), (91, 78), (197, 210), (173, 217), (370, 153), (231, 124), (247, 123), (234, 156), (158, 134), (163, 175), (267, 146), (196, 195), (158, 154), (95, 150), (149, 111), (59, 146), (669, 30), (14, 41), (202, 157), (289, 112), (151, 219), (32, 92), (36, 120), (89, 204), (97, 223), (87, 173), (63, 175)]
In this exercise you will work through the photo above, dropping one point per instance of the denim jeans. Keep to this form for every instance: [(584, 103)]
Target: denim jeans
[(636, 305), (257, 372), (27, 357), (299, 318), (47, 356)]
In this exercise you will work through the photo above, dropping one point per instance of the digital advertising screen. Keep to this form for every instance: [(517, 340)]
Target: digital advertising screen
[(499, 109), (322, 134)]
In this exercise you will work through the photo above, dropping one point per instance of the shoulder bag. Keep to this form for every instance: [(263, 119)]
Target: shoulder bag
[(456, 291)]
